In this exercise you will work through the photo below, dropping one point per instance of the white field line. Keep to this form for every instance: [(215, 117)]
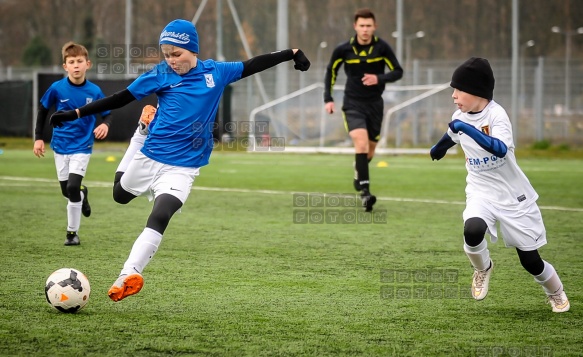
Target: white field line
[(14, 181)]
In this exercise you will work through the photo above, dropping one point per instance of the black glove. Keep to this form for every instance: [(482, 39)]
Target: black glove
[(60, 116), (302, 63)]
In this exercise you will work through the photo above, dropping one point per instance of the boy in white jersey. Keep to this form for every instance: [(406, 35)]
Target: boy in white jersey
[(497, 190), (179, 138)]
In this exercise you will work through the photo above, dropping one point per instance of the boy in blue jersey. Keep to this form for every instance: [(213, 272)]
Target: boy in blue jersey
[(72, 142), (179, 139)]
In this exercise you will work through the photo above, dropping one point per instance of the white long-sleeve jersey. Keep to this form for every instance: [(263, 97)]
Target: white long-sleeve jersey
[(497, 180)]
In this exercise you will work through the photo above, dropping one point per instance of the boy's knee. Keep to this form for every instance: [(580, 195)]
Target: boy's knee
[(120, 200), (474, 231), (531, 261), (73, 192), (117, 177), (120, 195), (63, 185)]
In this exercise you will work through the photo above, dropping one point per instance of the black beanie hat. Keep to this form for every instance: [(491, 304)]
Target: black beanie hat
[(474, 76)]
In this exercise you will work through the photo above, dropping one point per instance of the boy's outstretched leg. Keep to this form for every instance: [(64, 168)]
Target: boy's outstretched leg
[(130, 280), (545, 275)]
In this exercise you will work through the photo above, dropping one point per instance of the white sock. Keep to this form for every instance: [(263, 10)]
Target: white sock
[(549, 280), (74, 215), (136, 144), (142, 252), (479, 255)]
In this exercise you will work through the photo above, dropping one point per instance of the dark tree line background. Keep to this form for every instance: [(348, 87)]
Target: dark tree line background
[(33, 31)]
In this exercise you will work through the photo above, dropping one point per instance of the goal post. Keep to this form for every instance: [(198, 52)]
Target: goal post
[(429, 91), (297, 122)]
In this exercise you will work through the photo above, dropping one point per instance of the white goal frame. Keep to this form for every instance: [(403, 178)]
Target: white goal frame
[(429, 90)]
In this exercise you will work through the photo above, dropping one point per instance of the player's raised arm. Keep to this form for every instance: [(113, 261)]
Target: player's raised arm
[(114, 101), (266, 61)]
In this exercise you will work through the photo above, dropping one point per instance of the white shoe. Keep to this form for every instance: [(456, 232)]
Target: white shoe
[(480, 282), (559, 302)]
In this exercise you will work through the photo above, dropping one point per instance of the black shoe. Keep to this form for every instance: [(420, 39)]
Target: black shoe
[(368, 200), (85, 207), (72, 239)]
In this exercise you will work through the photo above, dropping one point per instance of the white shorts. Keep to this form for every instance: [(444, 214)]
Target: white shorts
[(71, 164), (523, 229), (151, 178)]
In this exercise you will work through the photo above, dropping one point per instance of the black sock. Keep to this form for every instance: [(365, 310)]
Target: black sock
[(362, 169)]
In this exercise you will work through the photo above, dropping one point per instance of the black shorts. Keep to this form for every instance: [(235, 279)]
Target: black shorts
[(364, 115)]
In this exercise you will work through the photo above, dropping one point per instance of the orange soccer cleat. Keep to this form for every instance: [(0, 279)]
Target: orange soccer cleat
[(147, 115), (125, 286)]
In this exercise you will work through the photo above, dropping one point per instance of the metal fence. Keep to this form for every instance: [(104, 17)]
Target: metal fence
[(545, 111), (542, 111)]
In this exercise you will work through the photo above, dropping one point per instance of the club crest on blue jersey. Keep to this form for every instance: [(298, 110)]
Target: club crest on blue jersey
[(88, 100), (210, 82)]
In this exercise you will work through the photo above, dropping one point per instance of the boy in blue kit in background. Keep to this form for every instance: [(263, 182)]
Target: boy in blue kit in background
[(179, 138), (497, 190), (73, 142)]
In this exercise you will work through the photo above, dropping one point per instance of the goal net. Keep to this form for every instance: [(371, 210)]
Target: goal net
[(414, 119)]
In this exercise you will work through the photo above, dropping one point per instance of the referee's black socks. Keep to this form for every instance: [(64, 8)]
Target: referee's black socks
[(361, 166)]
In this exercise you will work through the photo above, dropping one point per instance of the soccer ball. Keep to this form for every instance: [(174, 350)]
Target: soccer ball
[(67, 290)]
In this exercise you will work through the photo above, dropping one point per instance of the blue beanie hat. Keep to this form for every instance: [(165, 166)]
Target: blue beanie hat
[(180, 33)]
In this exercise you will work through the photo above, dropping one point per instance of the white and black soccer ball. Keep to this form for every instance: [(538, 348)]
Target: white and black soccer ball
[(67, 290)]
